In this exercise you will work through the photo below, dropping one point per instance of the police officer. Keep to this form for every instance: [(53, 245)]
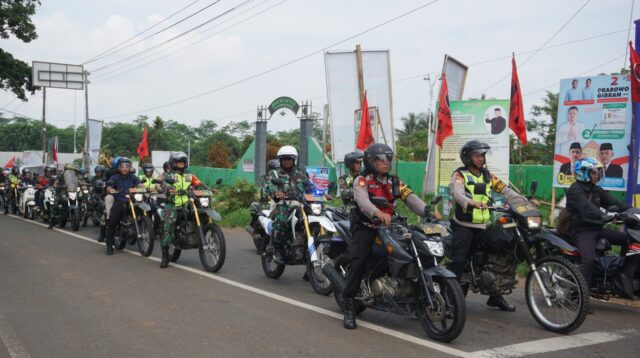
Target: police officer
[(375, 181), (353, 163), (147, 176), (294, 181), (118, 186), (471, 215), (183, 180)]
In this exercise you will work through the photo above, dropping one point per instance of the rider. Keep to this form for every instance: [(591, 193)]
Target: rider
[(293, 186), (108, 198), (264, 180), (99, 171), (43, 182), (375, 181), (147, 176), (60, 185), (585, 199), (14, 179), (471, 215), (177, 199), (353, 162), (27, 178), (119, 185)]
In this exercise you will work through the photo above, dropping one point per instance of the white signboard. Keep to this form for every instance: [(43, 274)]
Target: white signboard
[(58, 75), (456, 77), (95, 140), (344, 96)]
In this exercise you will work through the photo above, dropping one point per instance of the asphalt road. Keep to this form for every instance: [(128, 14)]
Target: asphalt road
[(61, 296)]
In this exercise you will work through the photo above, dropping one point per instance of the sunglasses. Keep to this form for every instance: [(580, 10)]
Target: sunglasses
[(384, 157)]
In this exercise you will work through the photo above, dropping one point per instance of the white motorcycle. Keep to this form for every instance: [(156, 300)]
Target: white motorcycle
[(27, 203)]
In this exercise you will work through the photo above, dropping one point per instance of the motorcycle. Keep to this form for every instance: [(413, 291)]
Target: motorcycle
[(312, 243), (196, 229), (556, 292), (11, 199), (3, 198), (95, 203), (47, 204), (135, 226), (84, 195), (403, 277), (27, 206), (617, 275)]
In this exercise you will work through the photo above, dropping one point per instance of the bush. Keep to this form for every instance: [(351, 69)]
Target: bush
[(238, 218), (236, 197)]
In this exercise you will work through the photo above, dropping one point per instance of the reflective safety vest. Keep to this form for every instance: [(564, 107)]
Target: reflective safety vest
[(376, 188), (183, 182), (471, 214), (147, 184)]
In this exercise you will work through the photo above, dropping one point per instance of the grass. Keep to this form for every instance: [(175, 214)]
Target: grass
[(238, 218)]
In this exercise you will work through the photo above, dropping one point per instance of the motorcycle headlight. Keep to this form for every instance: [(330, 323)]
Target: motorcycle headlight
[(534, 222), (72, 196), (86, 191), (138, 197), (316, 208), (204, 202), (435, 247)]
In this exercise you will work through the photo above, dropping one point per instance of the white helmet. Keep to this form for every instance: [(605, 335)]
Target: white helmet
[(288, 151)]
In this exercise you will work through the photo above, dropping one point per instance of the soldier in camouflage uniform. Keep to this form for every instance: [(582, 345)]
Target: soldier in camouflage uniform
[(183, 180), (353, 162), (294, 181)]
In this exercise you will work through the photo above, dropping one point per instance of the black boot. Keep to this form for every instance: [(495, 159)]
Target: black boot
[(109, 250), (52, 222), (165, 257), (500, 303), (103, 230), (349, 321)]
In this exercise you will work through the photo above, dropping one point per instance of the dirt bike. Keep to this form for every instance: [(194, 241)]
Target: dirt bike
[(135, 226)]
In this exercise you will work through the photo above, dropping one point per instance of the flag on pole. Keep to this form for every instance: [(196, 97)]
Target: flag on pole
[(365, 137), (54, 150), (143, 147), (10, 163), (445, 124), (635, 74), (516, 110)]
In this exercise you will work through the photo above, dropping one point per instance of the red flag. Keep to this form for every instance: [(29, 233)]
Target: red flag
[(54, 151), (143, 147), (10, 163), (365, 137), (445, 124), (516, 110), (635, 74)]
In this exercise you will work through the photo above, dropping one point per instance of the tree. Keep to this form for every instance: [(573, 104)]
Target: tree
[(15, 18), (412, 143)]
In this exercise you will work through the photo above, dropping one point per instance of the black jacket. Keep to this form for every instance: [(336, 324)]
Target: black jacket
[(588, 216)]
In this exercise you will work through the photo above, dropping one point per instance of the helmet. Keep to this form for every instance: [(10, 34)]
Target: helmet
[(287, 151), (114, 162), (472, 147), (166, 166), (273, 164), (82, 171), (147, 168), (123, 161), (15, 170), (70, 166), (583, 166), (375, 151), (26, 171), (176, 157), (100, 169), (351, 158), (50, 169)]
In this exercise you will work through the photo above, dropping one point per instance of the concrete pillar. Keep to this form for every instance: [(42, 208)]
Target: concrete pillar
[(260, 164), (306, 131)]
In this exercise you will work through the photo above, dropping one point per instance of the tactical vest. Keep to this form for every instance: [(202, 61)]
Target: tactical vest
[(183, 182), (379, 189), (471, 214)]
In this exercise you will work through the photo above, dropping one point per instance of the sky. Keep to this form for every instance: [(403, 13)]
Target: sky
[(260, 35)]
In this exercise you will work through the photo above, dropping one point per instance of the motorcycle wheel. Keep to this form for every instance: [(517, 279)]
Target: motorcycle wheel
[(147, 236), (341, 265), (62, 220), (174, 253), (75, 220), (213, 258), (444, 320), (319, 282), (3, 206), (271, 268), (569, 295)]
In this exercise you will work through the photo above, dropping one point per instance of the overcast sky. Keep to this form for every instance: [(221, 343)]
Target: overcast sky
[(75, 31)]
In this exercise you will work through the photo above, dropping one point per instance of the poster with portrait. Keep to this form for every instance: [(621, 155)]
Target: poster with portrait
[(594, 120), (486, 121), (319, 176)]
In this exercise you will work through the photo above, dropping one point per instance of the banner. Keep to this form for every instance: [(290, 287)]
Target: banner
[(319, 176), (95, 140), (594, 120), (485, 121)]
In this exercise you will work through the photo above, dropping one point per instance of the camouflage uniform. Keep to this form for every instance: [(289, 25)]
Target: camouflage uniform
[(345, 187), (175, 202), (294, 187)]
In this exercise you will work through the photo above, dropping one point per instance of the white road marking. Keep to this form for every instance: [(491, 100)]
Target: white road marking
[(552, 344), (514, 350), (15, 348)]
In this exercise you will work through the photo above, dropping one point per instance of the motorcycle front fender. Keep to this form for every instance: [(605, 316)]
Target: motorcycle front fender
[(437, 271), (323, 221), (546, 235), (144, 206), (214, 214)]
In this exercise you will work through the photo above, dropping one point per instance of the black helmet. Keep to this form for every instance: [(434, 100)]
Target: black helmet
[(26, 171), (50, 169), (176, 157), (273, 164), (472, 147), (351, 158), (166, 166), (15, 170), (82, 171), (376, 150), (100, 169), (147, 168)]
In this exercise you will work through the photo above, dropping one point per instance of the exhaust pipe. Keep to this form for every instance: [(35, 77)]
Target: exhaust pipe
[(336, 279)]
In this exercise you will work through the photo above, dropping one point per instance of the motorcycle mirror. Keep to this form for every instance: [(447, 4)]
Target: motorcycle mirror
[(480, 188), (219, 181), (379, 201), (436, 200), (170, 180), (277, 181), (156, 181), (534, 186)]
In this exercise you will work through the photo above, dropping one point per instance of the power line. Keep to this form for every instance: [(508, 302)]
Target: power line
[(175, 37), (538, 50), (282, 65), (104, 53), (154, 34), (110, 74)]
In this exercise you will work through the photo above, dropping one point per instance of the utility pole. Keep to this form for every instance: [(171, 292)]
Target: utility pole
[(44, 127)]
